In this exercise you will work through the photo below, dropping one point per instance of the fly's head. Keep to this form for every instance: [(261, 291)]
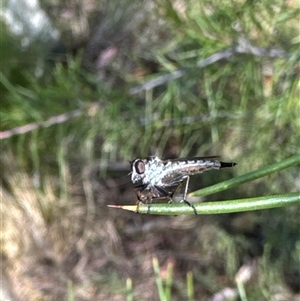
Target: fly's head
[(138, 169)]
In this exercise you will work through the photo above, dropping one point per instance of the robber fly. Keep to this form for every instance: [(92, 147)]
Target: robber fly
[(155, 178)]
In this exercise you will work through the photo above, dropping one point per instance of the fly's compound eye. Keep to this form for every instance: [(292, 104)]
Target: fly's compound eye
[(139, 166)]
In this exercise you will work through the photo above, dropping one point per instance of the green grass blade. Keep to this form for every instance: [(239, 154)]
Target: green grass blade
[(129, 293), (292, 161), (217, 207), (190, 286), (158, 279), (241, 290), (169, 280), (70, 291)]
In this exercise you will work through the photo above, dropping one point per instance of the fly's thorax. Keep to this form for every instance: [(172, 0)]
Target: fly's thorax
[(146, 170), (153, 170)]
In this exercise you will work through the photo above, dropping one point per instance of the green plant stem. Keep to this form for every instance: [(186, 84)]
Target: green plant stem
[(70, 291), (242, 291), (158, 279), (169, 280), (217, 207), (129, 293), (292, 161), (190, 286)]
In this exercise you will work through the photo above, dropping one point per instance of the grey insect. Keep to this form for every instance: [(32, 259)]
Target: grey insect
[(155, 178)]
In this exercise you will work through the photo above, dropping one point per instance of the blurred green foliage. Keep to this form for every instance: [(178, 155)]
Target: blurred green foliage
[(244, 108)]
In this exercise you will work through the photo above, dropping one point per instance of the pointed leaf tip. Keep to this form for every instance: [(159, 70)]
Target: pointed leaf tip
[(125, 207), (115, 206)]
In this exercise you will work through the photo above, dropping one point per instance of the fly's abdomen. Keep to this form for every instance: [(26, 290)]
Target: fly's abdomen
[(195, 166)]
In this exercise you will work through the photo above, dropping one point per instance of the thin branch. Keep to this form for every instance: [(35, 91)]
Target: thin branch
[(51, 121), (242, 48)]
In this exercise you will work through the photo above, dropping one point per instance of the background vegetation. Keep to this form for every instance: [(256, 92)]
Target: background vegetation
[(86, 87)]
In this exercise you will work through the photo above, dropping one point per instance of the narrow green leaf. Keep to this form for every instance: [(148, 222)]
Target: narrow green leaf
[(158, 279), (217, 207), (190, 286), (169, 280), (70, 290), (129, 293), (292, 161)]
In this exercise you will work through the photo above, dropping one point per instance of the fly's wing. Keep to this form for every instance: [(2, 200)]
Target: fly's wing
[(173, 180), (209, 158), (190, 159), (176, 177), (179, 169)]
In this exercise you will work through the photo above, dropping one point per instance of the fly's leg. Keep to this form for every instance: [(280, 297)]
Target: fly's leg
[(138, 204), (148, 206), (137, 207), (186, 189), (185, 195), (140, 201)]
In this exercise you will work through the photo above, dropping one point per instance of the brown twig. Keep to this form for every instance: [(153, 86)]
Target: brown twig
[(51, 121), (243, 47)]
